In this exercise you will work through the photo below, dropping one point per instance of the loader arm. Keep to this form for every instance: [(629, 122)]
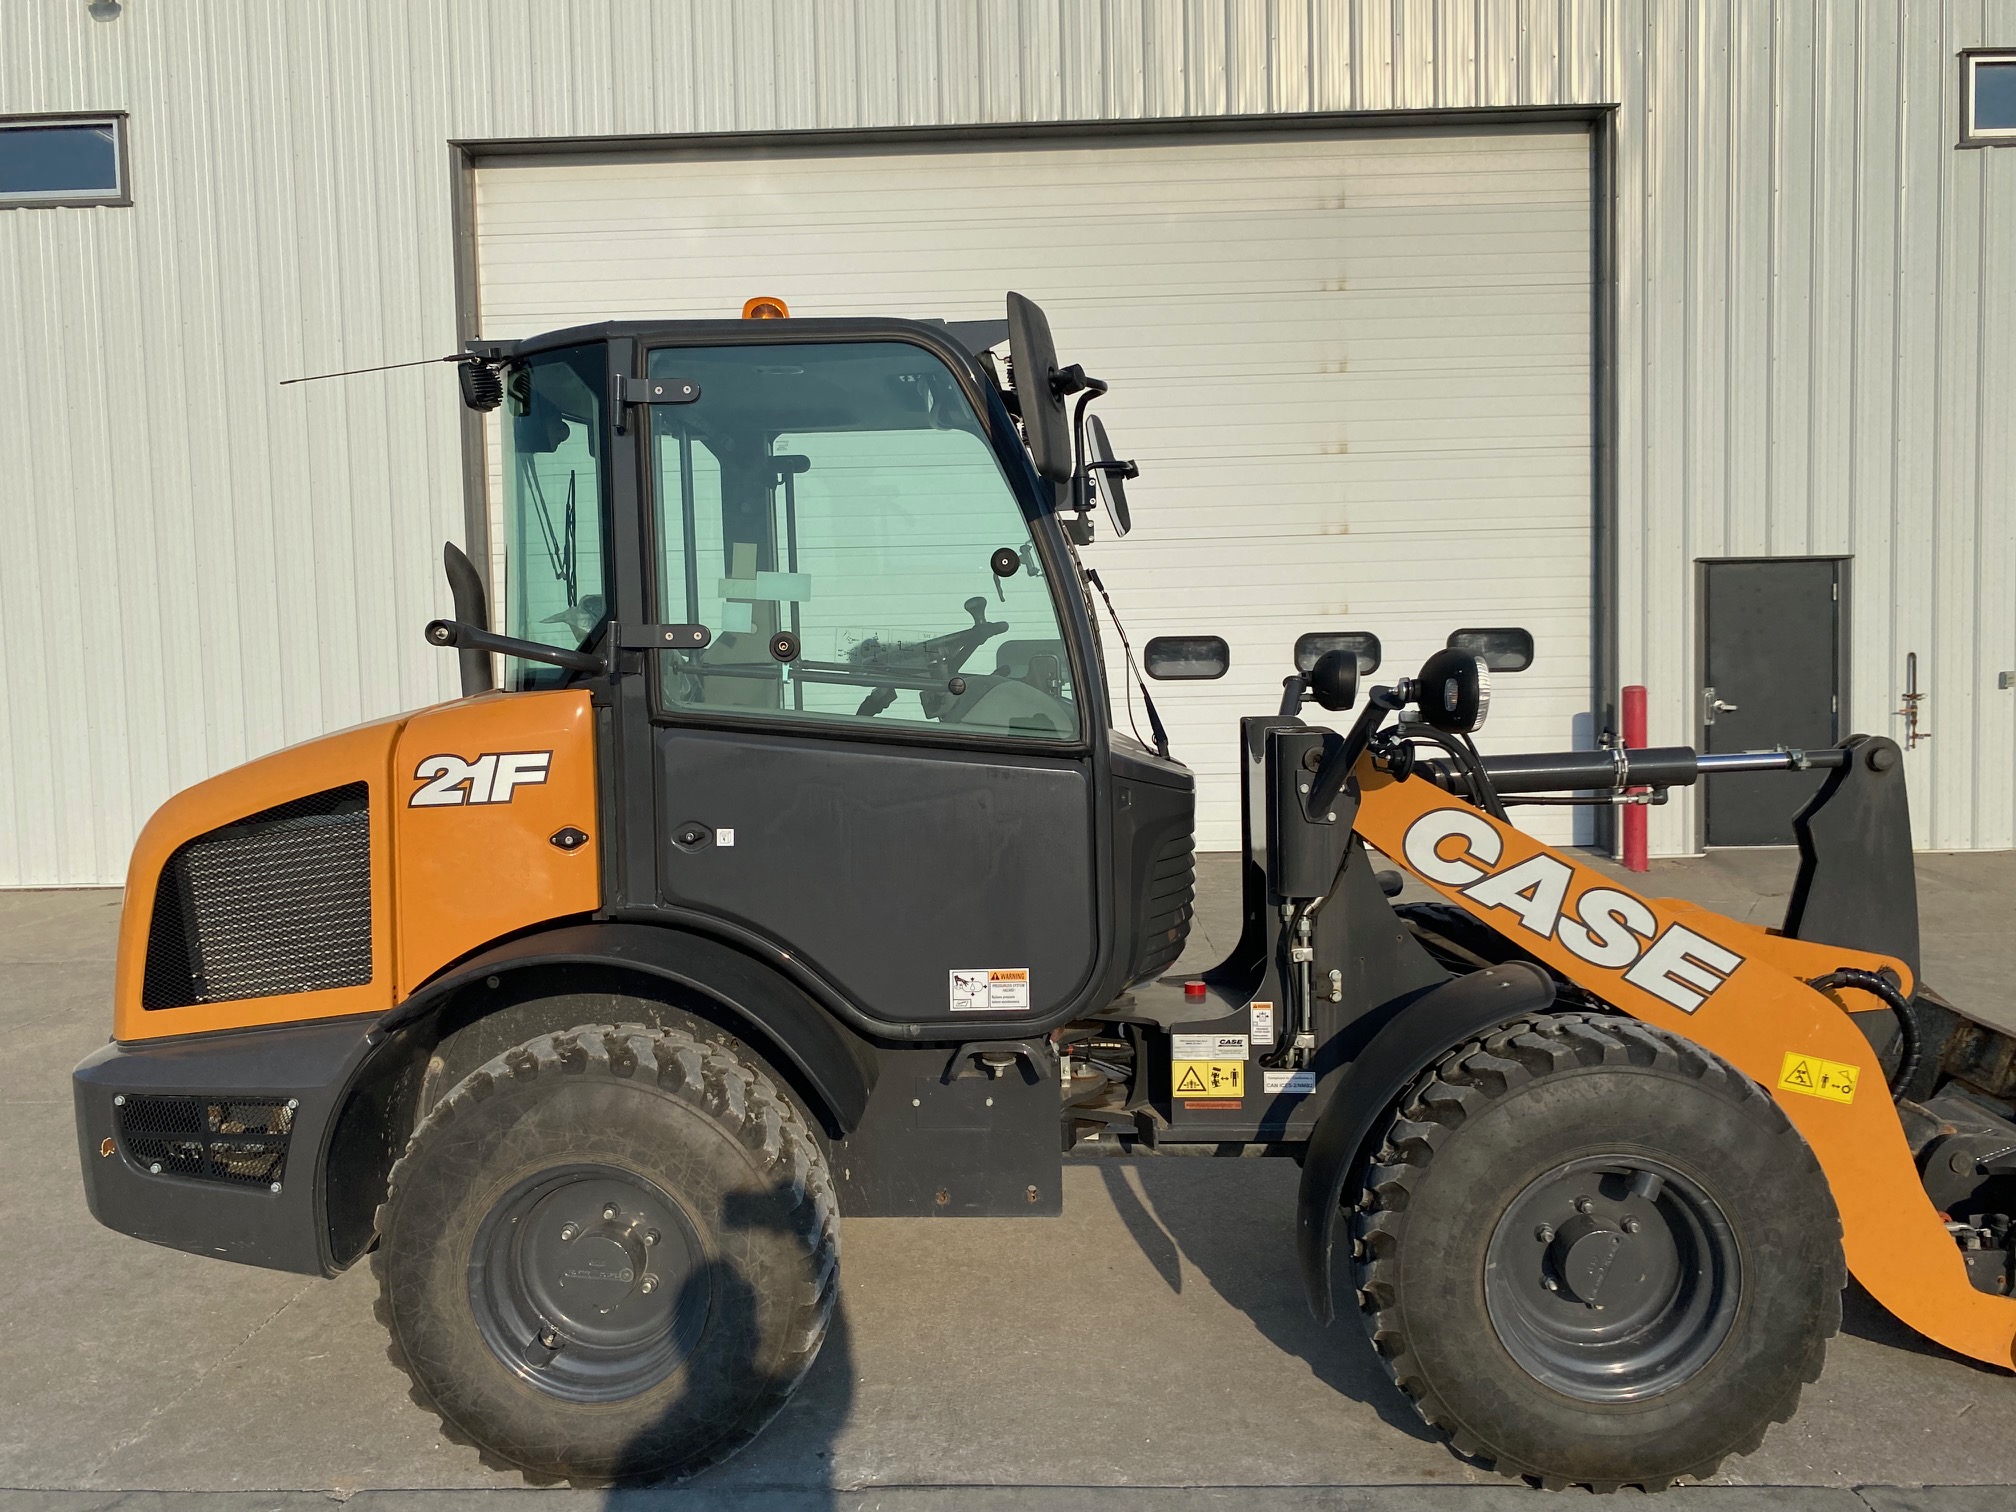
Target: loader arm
[(1735, 989)]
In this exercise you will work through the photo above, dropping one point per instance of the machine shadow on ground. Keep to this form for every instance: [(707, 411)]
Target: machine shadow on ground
[(1254, 1272)]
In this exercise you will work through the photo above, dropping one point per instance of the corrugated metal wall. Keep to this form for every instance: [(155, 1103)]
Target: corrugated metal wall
[(197, 566)]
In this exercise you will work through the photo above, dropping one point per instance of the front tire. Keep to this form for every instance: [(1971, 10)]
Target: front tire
[(1593, 1253), (609, 1254)]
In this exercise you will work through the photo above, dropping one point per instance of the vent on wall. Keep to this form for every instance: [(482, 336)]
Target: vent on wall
[(276, 903)]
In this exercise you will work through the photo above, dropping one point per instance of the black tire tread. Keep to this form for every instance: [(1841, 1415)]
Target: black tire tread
[(1458, 1087), (736, 1095)]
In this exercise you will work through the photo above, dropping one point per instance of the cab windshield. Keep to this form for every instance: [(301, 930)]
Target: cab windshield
[(551, 585), (836, 518)]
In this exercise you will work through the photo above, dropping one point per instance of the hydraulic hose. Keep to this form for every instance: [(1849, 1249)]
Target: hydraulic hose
[(1909, 1037)]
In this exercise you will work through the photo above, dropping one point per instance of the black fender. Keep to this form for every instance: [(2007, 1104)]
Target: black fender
[(834, 1063), (1413, 1040)]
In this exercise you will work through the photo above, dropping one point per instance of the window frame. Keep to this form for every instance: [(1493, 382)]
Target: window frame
[(1050, 546), (1970, 61), (121, 194)]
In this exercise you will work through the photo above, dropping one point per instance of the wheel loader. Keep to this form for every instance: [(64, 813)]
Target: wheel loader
[(805, 864)]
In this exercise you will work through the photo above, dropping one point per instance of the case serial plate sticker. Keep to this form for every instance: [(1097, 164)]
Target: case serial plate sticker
[(1292, 1083), (996, 990), (1200, 1078), (1207, 1047), (1819, 1078)]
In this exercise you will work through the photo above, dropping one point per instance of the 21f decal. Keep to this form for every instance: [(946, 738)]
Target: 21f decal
[(492, 778)]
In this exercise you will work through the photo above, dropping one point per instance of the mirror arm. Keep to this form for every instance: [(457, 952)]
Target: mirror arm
[(462, 636), (1342, 757), (1087, 390)]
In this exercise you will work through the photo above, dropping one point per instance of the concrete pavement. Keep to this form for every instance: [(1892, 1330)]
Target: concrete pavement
[(1152, 1338)]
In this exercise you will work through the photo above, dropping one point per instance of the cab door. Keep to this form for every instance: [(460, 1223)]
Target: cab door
[(879, 761)]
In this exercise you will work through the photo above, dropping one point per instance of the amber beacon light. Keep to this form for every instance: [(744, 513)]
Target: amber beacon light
[(764, 308)]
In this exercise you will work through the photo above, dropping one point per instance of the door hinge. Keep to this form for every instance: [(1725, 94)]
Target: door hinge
[(625, 391)]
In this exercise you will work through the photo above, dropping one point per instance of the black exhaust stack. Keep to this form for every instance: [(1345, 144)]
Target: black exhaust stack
[(472, 607)]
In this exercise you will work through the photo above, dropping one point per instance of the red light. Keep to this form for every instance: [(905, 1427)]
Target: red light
[(1193, 992)]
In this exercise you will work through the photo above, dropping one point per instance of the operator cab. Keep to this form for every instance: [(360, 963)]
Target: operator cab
[(817, 571)]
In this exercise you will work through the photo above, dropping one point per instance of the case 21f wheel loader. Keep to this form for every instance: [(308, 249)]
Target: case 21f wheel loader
[(800, 870)]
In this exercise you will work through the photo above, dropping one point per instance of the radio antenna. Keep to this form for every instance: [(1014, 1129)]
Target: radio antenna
[(384, 368)]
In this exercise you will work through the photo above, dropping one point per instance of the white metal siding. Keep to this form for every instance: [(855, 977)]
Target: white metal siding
[(1354, 367), (199, 566)]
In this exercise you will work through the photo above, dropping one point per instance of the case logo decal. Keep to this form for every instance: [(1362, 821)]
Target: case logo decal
[(449, 781), (1604, 926)]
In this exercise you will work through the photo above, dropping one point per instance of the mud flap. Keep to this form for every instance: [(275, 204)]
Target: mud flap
[(1431, 1026)]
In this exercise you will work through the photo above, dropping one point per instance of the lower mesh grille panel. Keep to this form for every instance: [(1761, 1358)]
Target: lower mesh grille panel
[(279, 902), (211, 1140)]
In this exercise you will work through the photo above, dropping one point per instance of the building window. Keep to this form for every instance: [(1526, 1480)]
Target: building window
[(1987, 98), (63, 160)]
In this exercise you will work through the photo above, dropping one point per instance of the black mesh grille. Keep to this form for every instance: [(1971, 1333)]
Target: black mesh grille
[(1172, 886), (279, 902), (210, 1139)]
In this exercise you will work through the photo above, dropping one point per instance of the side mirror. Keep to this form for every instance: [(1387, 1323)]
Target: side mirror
[(1453, 691), (1037, 393), (1113, 474), (1506, 650), (1313, 647), (1186, 658)]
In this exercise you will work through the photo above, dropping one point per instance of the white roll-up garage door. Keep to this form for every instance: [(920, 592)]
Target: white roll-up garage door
[(1354, 367)]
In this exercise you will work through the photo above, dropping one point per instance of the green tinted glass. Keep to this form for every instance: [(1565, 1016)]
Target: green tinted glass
[(553, 588), (844, 497)]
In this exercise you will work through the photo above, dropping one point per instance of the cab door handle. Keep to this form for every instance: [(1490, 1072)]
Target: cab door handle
[(1711, 706)]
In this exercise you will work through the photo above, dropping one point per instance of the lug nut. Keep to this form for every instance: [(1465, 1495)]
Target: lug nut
[(1583, 1204), (648, 1285), (1544, 1233), (609, 1211), (1631, 1225), (651, 1236), (1550, 1283), (568, 1231)]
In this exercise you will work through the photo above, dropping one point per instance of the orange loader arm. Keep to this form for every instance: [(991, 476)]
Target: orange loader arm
[(1735, 989)]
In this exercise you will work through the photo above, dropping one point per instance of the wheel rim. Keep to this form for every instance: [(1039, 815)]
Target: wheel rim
[(589, 1282), (1612, 1278)]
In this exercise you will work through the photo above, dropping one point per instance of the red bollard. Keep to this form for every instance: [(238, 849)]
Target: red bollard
[(1634, 813)]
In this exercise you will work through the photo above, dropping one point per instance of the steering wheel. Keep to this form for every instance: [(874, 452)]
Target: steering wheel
[(939, 657)]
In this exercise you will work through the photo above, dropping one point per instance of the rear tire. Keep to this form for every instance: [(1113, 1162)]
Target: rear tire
[(609, 1254), (1661, 1319)]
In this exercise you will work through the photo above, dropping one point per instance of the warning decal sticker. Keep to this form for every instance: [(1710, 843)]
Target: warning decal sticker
[(1261, 1016), (1818, 1078), (998, 990), (1207, 1047), (1196, 1078)]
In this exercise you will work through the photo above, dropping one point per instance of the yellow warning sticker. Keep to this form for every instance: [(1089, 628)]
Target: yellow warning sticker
[(1209, 1078), (1818, 1078)]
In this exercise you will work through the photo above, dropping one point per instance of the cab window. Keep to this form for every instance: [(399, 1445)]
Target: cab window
[(552, 432), (835, 517)]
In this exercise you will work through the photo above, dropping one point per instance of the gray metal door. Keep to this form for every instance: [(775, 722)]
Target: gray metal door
[(1770, 676)]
